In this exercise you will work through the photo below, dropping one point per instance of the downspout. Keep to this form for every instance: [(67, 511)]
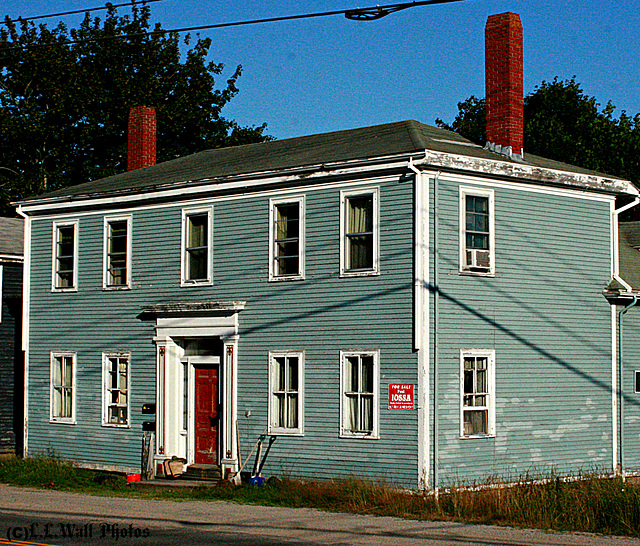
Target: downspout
[(620, 389), (436, 338), (26, 301)]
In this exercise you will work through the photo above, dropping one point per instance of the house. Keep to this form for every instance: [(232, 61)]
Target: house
[(391, 302), (11, 360)]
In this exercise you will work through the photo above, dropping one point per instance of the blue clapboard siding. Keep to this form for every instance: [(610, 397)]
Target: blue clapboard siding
[(630, 398), (320, 315), (544, 315)]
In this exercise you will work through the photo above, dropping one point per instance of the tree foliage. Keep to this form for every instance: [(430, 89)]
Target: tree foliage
[(64, 106), (562, 123)]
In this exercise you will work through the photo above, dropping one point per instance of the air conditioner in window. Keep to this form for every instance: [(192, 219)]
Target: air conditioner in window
[(478, 260)]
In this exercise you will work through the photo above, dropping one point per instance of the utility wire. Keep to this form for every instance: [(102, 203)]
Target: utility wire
[(358, 14), (78, 11)]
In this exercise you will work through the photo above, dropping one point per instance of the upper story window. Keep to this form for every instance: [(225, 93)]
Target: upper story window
[(359, 377), (115, 394), (63, 388), (286, 381), (286, 239), (117, 253), (477, 248), (65, 256), (359, 232), (196, 246), (477, 392)]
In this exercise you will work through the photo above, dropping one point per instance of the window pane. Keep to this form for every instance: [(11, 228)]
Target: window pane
[(280, 410), (367, 374), (352, 370), (280, 374), (197, 230), (293, 374), (292, 417), (475, 422), (287, 221), (197, 264), (366, 418), (351, 412), (360, 251), (481, 381), (360, 211)]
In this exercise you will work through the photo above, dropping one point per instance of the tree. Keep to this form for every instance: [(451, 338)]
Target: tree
[(64, 107), (562, 123)]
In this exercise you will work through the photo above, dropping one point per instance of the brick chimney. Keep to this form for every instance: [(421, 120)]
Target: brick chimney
[(504, 84), (142, 138)]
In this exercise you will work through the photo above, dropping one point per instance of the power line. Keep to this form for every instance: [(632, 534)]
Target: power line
[(357, 14), (62, 13)]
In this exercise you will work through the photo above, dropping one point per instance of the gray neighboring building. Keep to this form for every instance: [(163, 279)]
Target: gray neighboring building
[(11, 359), (390, 302)]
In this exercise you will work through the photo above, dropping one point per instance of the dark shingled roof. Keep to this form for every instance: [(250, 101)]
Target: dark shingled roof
[(368, 142), (629, 244), (11, 236)]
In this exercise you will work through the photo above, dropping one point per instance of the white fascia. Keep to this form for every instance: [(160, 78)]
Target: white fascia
[(530, 173)]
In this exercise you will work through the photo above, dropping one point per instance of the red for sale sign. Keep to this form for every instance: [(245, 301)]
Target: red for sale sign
[(401, 397)]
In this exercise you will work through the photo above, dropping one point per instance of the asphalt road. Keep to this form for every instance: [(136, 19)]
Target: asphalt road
[(33, 516)]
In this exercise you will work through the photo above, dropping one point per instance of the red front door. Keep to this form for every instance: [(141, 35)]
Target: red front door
[(206, 414)]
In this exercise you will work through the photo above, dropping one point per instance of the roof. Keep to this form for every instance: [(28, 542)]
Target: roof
[(11, 236), (629, 245), (380, 141)]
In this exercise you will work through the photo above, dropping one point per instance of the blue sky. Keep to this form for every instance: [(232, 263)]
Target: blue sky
[(316, 75)]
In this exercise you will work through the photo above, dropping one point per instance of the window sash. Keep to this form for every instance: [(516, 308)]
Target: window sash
[(477, 394), (286, 391), (196, 246), (116, 390), (117, 251), (62, 387), (360, 394), (286, 383), (65, 256), (359, 232), (287, 239)]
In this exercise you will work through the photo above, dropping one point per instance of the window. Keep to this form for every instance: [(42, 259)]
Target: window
[(65, 253), (286, 239), (360, 394), (196, 246), (359, 232), (477, 254), (117, 253), (62, 403), (636, 377), (286, 371), (477, 392), (115, 395)]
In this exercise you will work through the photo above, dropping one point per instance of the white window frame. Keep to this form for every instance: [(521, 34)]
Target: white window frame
[(345, 432), (464, 266), (273, 428), (274, 203), (108, 220), (186, 213), (54, 262), (52, 417), (490, 355), (345, 195), (106, 403)]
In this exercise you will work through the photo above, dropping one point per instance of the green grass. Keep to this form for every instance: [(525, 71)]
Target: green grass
[(590, 504)]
